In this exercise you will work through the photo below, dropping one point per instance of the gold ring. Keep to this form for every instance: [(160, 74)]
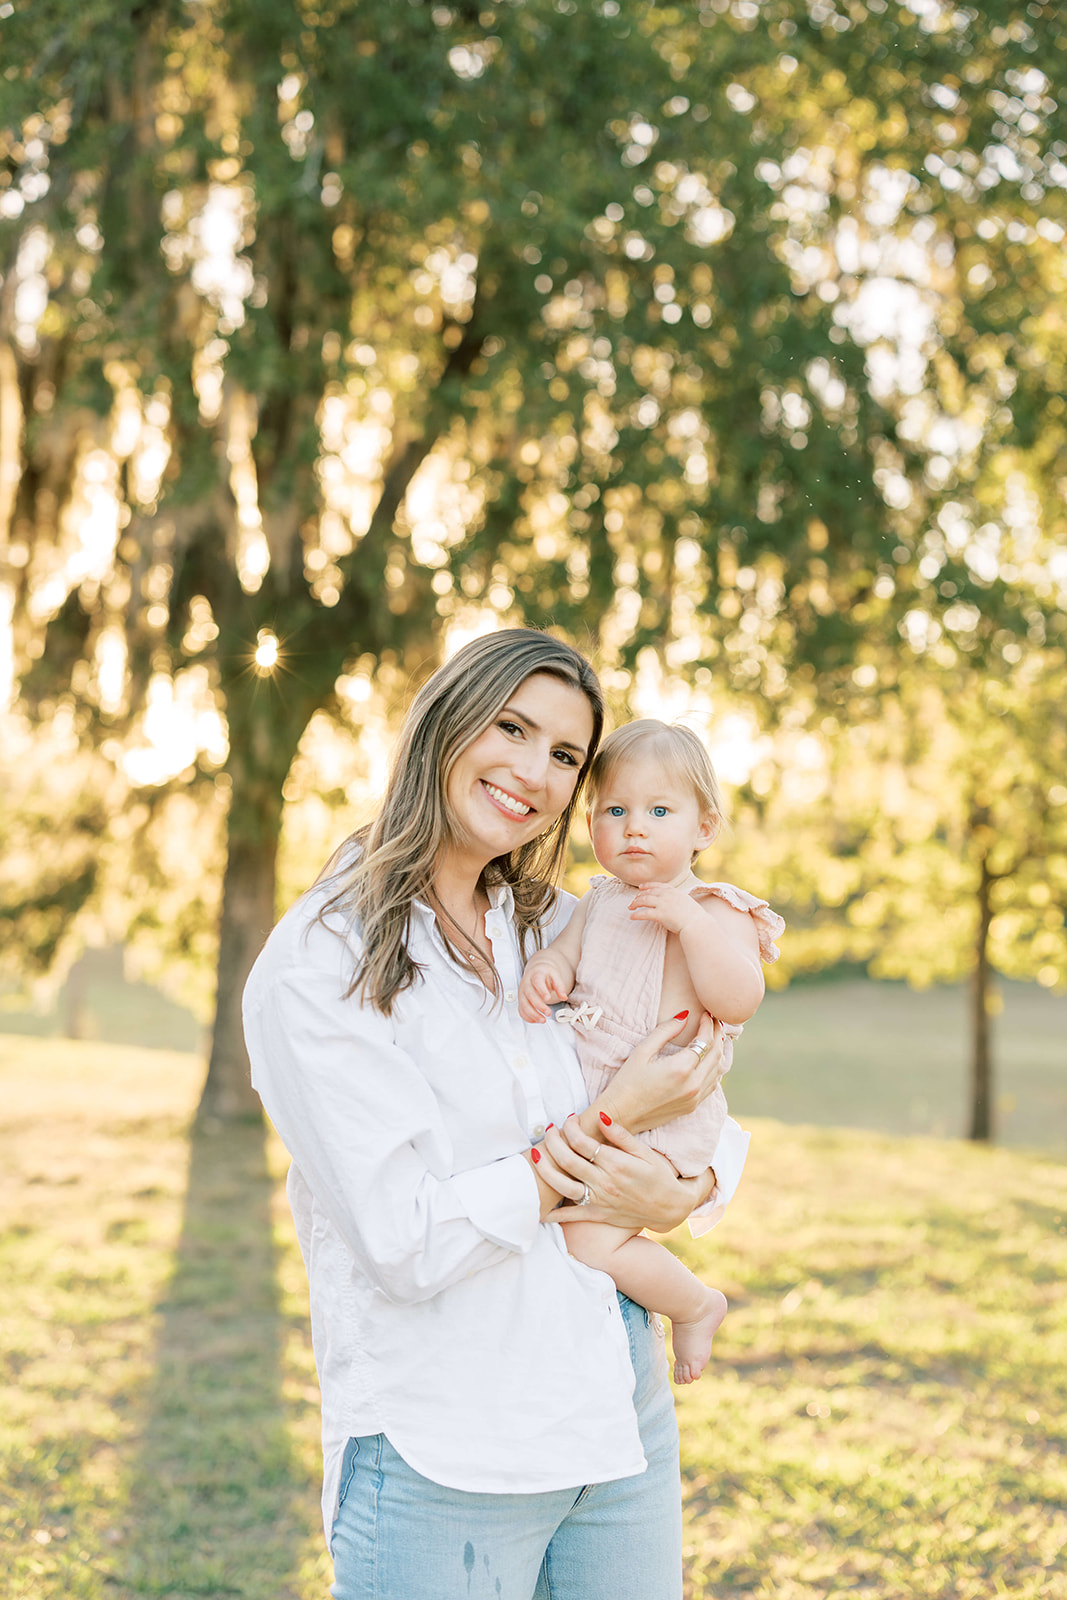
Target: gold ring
[(700, 1047)]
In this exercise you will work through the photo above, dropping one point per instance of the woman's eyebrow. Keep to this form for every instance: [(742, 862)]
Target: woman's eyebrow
[(535, 727)]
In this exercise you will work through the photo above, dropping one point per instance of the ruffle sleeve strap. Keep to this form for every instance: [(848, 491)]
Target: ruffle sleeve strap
[(769, 925)]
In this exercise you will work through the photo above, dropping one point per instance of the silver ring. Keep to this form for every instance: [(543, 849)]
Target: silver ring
[(700, 1047), (587, 1195)]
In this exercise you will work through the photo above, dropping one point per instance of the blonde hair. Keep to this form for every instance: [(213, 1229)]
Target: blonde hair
[(396, 855), (677, 747)]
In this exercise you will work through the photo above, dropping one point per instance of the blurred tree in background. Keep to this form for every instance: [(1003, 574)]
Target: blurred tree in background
[(726, 336), (927, 841)]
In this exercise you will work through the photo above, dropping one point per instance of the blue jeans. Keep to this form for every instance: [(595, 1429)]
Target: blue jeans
[(400, 1537)]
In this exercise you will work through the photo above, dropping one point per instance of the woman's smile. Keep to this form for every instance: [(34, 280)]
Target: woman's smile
[(510, 802)]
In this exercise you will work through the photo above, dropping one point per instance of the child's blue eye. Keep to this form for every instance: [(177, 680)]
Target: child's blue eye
[(659, 811), (615, 811)]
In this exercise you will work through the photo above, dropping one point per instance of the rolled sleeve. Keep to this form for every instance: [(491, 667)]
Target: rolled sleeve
[(502, 1202), (364, 1128), (731, 1152)]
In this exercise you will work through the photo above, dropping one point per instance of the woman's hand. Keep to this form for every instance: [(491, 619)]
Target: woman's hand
[(627, 1184), (649, 1089)]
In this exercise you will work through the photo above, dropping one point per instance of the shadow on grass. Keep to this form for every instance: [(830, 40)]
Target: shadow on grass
[(215, 1504)]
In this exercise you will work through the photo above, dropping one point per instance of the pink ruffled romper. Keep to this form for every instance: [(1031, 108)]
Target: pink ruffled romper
[(615, 1002)]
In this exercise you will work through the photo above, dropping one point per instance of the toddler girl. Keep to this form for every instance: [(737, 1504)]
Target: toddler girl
[(651, 942)]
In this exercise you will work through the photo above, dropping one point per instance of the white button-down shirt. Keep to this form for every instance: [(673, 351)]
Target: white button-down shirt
[(444, 1313)]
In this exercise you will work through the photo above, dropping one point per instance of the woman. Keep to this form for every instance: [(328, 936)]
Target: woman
[(482, 1431)]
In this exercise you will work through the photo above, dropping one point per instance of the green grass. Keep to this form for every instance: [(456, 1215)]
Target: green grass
[(852, 1053), (98, 1002), (895, 1060), (883, 1415), (884, 1411), (157, 1409)]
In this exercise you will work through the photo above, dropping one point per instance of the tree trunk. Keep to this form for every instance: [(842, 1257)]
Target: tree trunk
[(247, 918), (75, 1011), (265, 727), (981, 996)]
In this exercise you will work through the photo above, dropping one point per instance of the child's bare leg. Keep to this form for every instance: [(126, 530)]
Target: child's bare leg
[(649, 1274)]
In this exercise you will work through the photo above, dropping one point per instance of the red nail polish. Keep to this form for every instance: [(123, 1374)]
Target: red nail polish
[(605, 1119), (550, 1125), (680, 1016), (535, 1156)]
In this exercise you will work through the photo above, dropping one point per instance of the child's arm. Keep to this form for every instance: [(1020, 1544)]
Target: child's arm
[(720, 945), (549, 974)]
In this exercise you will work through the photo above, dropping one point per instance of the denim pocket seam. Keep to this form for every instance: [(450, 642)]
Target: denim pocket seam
[(348, 1470)]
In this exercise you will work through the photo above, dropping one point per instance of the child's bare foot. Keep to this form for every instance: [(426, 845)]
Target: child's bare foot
[(692, 1340)]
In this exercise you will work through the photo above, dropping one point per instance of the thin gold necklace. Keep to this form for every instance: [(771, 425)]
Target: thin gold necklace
[(483, 956)]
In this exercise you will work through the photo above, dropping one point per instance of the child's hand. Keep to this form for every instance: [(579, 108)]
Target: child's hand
[(539, 991), (671, 907)]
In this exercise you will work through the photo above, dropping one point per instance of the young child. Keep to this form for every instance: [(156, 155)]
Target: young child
[(651, 942)]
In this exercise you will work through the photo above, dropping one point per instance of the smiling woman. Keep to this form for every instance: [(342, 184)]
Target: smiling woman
[(482, 1431)]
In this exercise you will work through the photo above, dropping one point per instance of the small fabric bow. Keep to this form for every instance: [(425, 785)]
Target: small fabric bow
[(585, 1015)]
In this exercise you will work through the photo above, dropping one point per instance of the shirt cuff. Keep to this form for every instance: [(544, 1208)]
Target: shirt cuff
[(502, 1201), (729, 1163)]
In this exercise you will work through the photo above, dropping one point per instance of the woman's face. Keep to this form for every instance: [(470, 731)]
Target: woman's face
[(520, 773)]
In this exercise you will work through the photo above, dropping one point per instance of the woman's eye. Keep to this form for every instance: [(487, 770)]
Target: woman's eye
[(509, 727), (566, 757)]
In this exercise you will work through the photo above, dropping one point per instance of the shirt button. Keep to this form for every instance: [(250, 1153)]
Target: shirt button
[(538, 1133), (509, 996), (522, 1063)]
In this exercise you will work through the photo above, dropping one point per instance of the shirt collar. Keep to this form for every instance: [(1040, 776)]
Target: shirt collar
[(501, 898)]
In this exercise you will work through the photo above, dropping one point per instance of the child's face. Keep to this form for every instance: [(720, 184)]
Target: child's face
[(646, 824)]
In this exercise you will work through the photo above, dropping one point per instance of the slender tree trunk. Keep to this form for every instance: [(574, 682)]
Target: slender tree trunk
[(981, 996), (75, 1018)]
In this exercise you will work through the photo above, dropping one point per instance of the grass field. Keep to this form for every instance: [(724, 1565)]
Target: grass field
[(882, 1056), (836, 1053), (884, 1415)]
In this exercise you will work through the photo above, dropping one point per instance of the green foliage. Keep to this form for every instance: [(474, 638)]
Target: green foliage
[(618, 297), (877, 836), (727, 333)]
